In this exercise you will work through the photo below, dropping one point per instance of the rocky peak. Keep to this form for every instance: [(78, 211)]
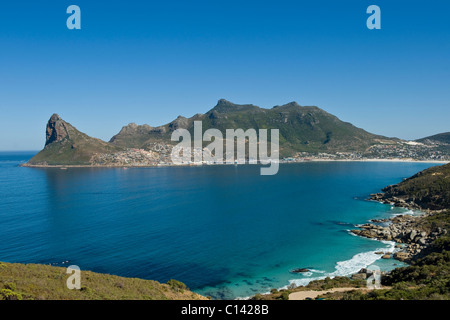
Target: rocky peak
[(179, 122), (224, 102), (56, 129), (292, 104), (225, 106), (133, 128)]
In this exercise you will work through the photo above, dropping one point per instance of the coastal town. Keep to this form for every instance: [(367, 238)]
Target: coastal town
[(402, 150), (159, 154)]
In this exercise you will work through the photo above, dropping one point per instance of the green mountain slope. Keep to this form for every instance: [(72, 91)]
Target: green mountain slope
[(309, 129)]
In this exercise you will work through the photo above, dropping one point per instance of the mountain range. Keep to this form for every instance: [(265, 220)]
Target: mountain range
[(301, 129)]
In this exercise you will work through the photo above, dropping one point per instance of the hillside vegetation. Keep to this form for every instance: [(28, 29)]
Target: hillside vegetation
[(301, 128), (428, 189), (43, 282)]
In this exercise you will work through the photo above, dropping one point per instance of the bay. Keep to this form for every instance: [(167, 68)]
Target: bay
[(225, 231)]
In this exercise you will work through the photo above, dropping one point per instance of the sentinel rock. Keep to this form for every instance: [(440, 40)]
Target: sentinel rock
[(56, 130), (65, 145)]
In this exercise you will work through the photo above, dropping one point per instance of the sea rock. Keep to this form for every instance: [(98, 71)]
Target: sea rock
[(386, 256), (402, 256), (300, 270), (379, 220)]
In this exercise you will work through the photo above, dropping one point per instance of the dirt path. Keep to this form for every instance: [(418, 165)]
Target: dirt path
[(302, 295)]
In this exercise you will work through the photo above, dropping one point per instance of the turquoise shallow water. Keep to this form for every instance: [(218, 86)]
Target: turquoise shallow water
[(225, 231)]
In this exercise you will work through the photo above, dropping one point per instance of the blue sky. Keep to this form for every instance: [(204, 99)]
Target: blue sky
[(150, 61)]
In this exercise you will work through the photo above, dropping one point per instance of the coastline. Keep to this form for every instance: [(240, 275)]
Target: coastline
[(353, 281), (409, 238), (357, 277), (221, 164)]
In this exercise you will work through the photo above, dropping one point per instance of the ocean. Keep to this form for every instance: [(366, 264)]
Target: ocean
[(224, 230)]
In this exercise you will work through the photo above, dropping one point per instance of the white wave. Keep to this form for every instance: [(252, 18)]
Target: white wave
[(303, 282), (342, 268), (359, 261), (350, 266), (317, 271)]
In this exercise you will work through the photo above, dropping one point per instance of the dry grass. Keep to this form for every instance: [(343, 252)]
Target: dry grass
[(43, 282)]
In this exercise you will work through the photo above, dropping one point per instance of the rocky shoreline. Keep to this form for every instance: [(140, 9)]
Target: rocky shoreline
[(411, 234), (389, 198), (408, 231)]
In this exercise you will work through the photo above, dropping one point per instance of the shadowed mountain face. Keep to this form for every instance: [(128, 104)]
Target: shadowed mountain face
[(56, 130), (308, 129)]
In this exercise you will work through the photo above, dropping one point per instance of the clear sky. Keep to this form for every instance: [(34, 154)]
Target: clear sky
[(150, 61)]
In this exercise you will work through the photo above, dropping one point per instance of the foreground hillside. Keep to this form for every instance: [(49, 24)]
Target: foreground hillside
[(43, 282)]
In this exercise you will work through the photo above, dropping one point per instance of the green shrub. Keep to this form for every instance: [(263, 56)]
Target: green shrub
[(177, 285), (284, 295), (258, 296), (8, 294), (10, 285)]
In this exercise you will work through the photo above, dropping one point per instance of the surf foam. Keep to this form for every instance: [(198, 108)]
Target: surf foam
[(350, 266)]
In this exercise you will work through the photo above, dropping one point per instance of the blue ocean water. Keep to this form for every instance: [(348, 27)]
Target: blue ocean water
[(225, 231)]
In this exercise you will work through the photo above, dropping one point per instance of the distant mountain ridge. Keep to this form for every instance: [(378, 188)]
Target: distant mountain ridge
[(307, 129), (441, 137)]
